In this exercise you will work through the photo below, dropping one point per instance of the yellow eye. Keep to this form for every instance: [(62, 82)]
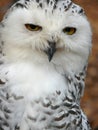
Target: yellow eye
[(33, 27), (69, 30)]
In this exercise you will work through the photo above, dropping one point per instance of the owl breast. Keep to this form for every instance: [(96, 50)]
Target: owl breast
[(38, 101)]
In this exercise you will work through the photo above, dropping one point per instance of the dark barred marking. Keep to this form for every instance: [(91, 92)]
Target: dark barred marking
[(83, 79), (47, 1), (72, 112), (7, 96), (67, 104), (7, 110), (68, 5), (85, 68), (58, 92), (46, 104), (0, 118), (68, 125), (69, 79), (73, 95), (70, 100), (59, 118), (80, 88), (6, 124), (54, 107), (0, 100), (37, 1), (80, 121), (2, 82), (51, 2), (41, 5), (56, 1), (74, 121), (61, 126), (81, 74), (3, 122), (0, 50), (54, 7), (7, 116), (1, 128), (48, 112), (17, 127), (43, 119), (3, 54), (74, 6), (77, 77), (20, 5), (27, 0)]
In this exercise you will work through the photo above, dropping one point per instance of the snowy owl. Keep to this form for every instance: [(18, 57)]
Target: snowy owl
[(44, 50)]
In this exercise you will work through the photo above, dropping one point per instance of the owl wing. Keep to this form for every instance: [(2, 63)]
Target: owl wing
[(2, 83)]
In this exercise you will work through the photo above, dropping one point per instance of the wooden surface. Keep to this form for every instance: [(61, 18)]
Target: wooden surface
[(90, 100)]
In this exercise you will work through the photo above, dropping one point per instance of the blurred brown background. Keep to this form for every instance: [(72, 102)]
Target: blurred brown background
[(90, 100)]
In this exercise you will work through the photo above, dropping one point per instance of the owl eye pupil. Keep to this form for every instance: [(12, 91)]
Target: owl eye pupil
[(69, 30), (32, 26)]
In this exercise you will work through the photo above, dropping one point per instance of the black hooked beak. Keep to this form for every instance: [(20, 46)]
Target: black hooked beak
[(51, 50)]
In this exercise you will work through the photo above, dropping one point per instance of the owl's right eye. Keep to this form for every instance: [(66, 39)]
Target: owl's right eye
[(69, 30), (32, 27)]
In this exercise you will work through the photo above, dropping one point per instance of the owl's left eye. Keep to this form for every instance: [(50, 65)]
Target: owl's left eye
[(69, 30), (33, 27)]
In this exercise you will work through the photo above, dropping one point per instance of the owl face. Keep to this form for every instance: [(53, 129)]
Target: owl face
[(51, 30)]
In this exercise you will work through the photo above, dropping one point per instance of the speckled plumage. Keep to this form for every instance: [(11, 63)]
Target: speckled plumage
[(42, 72)]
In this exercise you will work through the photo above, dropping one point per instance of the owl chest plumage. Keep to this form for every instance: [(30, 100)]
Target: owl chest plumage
[(39, 101)]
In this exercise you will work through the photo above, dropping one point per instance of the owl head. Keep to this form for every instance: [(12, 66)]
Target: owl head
[(47, 31)]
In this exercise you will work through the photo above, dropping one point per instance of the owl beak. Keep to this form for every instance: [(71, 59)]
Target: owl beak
[(51, 50)]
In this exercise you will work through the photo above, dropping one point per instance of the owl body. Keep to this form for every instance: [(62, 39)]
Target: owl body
[(46, 105), (44, 49)]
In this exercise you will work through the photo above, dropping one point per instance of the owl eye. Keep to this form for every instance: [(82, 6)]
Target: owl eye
[(33, 27), (69, 30)]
